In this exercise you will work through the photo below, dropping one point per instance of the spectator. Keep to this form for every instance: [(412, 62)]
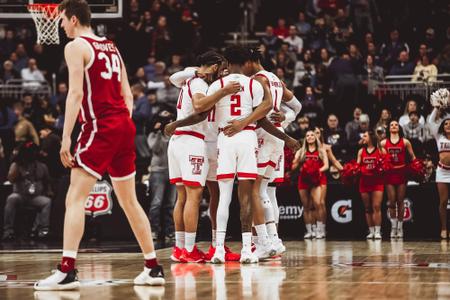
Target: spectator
[(403, 66), (8, 72), (355, 56), (431, 42), (31, 188), (319, 35), (304, 70), (371, 70), (281, 74), (325, 58), (161, 39), (8, 44), (443, 60), (425, 71), (312, 108), (270, 41), (24, 129), (266, 60), (414, 131), (365, 13), (355, 139), (383, 121), (372, 50), (335, 136), (50, 147), (353, 125), (149, 69), (391, 50), (158, 79), (298, 129), (281, 31), (140, 78), (411, 105), (303, 27), (163, 194), (22, 58), (60, 95), (423, 50), (175, 65), (169, 93), (287, 51), (45, 115), (32, 76), (295, 42)]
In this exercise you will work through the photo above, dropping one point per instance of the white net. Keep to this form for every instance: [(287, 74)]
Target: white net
[(46, 17)]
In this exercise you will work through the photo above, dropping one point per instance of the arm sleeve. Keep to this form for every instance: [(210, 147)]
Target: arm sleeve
[(294, 104), (289, 114), (258, 93), (198, 86), (178, 78)]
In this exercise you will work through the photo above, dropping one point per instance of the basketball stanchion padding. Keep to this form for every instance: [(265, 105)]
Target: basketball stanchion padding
[(46, 17)]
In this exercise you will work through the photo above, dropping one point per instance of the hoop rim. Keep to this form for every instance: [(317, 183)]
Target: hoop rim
[(42, 6)]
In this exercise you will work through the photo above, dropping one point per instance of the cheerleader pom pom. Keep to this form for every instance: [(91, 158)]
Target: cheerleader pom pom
[(350, 173), (311, 172), (440, 98), (416, 170), (383, 164)]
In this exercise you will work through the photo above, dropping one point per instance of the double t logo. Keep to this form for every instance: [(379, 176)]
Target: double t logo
[(197, 163)]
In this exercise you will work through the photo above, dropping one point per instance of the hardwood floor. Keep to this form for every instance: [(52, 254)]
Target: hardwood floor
[(308, 270)]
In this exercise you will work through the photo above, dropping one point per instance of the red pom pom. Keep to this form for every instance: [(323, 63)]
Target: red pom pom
[(310, 172), (350, 173), (383, 164), (416, 170)]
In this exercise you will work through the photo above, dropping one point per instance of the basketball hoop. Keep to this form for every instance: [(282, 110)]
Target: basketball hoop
[(46, 17)]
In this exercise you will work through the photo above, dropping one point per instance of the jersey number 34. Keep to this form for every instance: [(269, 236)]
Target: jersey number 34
[(112, 66)]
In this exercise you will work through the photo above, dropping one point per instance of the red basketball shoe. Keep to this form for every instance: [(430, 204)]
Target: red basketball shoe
[(176, 253), (196, 256), (230, 256)]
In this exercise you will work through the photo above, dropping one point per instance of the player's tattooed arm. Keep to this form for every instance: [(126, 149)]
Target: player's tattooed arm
[(76, 54), (204, 103), (191, 120), (265, 124)]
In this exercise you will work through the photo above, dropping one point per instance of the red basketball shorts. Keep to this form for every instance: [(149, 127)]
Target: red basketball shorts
[(396, 176), (369, 184), (107, 145)]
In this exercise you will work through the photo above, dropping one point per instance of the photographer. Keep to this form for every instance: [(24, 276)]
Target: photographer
[(30, 179), (163, 194)]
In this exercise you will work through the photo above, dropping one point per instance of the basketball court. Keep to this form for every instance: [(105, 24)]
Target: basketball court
[(309, 270)]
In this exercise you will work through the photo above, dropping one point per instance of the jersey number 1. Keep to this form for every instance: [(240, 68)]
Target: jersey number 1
[(235, 105), (112, 66)]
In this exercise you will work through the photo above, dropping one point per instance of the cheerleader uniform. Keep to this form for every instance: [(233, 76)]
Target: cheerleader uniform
[(397, 158), (443, 145), (370, 180), (302, 184)]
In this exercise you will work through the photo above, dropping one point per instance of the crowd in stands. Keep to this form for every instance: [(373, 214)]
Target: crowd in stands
[(327, 55)]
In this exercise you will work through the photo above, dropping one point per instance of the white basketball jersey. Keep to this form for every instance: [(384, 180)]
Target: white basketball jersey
[(212, 130), (185, 106), (276, 89), (239, 105)]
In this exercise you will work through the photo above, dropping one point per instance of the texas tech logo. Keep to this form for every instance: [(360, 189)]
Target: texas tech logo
[(341, 211), (197, 163), (394, 151), (408, 213)]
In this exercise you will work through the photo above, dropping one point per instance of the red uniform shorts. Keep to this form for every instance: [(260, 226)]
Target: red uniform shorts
[(396, 176), (302, 185), (369, 184), (107, 145)]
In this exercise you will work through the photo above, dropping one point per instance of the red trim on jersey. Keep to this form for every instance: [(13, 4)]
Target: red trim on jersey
[(275, 101), (192, 183), (247, 175), (267, 163), (262, 75), (189, 88), (192, 133), (175, 180), (225, 176), (221, 83), (251, 88), (441, 165), (278, 180)]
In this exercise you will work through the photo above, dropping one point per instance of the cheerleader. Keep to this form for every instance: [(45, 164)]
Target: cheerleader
[(396, 147), (323, 180), (371, 182), (439, 124), (309, 186)]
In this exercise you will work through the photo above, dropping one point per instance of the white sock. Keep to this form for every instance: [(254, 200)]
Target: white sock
[(400, 224), (213, 241), (321, 226), (272, 230), (255, 239), (308, 228), (272, 192), (150, 255), (226, 192), (372, 229), (190, 241), (394, 223), (261, 230), (220, 239), (314, 228), (179, 239), (71, 254), (377, 229), (247, 241)]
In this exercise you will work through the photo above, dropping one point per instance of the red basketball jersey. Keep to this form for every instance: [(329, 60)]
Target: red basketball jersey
[(369, 161), (102, 85), (396, 152), (313, 156)]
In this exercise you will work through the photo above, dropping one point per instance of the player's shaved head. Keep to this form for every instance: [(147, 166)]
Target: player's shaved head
[(237, 55), (77, 8), (210, 58)]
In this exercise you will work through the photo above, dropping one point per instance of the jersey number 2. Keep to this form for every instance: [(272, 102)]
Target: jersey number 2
[(112, 66), (235, 105)]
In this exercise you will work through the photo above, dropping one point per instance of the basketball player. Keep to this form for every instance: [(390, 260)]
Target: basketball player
[(188, 168), (271, 149), (396, 147), (99, 93)]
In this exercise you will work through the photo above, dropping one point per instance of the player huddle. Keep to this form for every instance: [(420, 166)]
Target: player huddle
[(229, 125)]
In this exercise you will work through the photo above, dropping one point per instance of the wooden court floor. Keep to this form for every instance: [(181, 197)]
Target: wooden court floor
[(309, 270)]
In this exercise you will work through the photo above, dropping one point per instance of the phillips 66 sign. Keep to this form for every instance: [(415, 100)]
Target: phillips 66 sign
[(99, 201)]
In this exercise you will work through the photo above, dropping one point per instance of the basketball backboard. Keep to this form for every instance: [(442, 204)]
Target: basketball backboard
[(101, 9)]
